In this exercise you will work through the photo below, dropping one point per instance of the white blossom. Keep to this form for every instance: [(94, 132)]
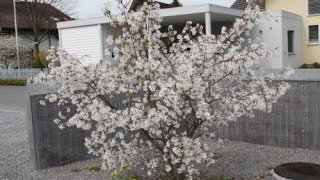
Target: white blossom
[(204, 82), (8, 53)]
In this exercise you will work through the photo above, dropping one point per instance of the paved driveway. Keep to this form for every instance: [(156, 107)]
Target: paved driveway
[(12, 98)]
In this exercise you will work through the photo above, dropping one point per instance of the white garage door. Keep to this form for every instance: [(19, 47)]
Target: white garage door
[(83, 42)]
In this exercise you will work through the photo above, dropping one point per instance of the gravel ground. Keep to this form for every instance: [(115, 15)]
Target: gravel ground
[(237, 159)]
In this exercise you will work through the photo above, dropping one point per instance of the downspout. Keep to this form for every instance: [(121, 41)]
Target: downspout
[(49, 39), (60, 39)]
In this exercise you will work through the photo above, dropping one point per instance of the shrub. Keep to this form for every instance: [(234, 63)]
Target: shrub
[(13, 82), (124, 174), (40, 61), (315, 65)]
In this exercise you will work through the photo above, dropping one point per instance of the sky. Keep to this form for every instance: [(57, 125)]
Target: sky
[(94, 8)]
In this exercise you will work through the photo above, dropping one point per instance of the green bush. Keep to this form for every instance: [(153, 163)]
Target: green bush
[(13, 82), (315, 65), (40, 61)]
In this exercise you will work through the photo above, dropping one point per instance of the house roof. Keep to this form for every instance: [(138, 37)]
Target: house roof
[(136, 3), (7, 15), (240, 4)]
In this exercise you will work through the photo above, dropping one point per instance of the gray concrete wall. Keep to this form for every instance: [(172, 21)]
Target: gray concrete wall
[(294, 121), (49, 145)]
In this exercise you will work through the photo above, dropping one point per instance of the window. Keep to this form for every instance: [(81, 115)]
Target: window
[(314, 7), (290, 41), (314, 34), (54, 18)]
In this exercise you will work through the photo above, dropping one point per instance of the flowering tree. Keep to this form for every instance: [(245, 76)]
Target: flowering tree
[(173, 98), (8, 53)]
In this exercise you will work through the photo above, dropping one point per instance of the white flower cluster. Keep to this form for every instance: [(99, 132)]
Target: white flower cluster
[(191, 83), (8, 52)]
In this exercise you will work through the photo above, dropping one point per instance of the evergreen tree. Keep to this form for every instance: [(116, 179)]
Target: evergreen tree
[(176, 3)]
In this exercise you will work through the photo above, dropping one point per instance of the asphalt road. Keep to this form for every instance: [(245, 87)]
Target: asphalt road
[(12, 98)]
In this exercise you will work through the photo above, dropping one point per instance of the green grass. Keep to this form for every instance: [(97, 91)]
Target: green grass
[(13, 82)]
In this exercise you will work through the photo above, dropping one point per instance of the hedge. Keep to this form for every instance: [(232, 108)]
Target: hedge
[(13, 82), (315, 65)]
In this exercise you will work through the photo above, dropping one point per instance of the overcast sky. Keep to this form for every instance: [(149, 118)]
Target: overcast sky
[(94, 8)]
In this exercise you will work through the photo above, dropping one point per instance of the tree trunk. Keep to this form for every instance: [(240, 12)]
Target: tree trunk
[(36, 49)]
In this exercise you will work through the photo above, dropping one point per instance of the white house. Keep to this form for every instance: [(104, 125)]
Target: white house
[(283, 31), (86, 38)]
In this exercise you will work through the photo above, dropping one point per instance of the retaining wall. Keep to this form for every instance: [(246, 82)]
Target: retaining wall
[(49, 145), (294, 121)]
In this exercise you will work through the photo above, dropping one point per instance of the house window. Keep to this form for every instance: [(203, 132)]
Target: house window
[(290, 41), (314, 7), (314, 34), (4, 33)]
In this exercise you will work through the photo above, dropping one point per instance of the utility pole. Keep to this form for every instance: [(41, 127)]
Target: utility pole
[(16, 31)]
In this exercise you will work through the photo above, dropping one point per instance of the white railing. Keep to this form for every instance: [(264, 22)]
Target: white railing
[(24, 73)]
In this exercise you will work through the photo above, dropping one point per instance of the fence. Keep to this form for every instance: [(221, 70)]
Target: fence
[(24, 73)]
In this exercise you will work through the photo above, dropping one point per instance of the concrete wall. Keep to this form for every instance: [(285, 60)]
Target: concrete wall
[(294, 121), (49, 145), (274, 34)]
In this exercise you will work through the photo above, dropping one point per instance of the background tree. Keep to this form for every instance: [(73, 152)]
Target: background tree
[(40, 60), (176, 3), (8, 53), (42, 15), (204, 82)]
